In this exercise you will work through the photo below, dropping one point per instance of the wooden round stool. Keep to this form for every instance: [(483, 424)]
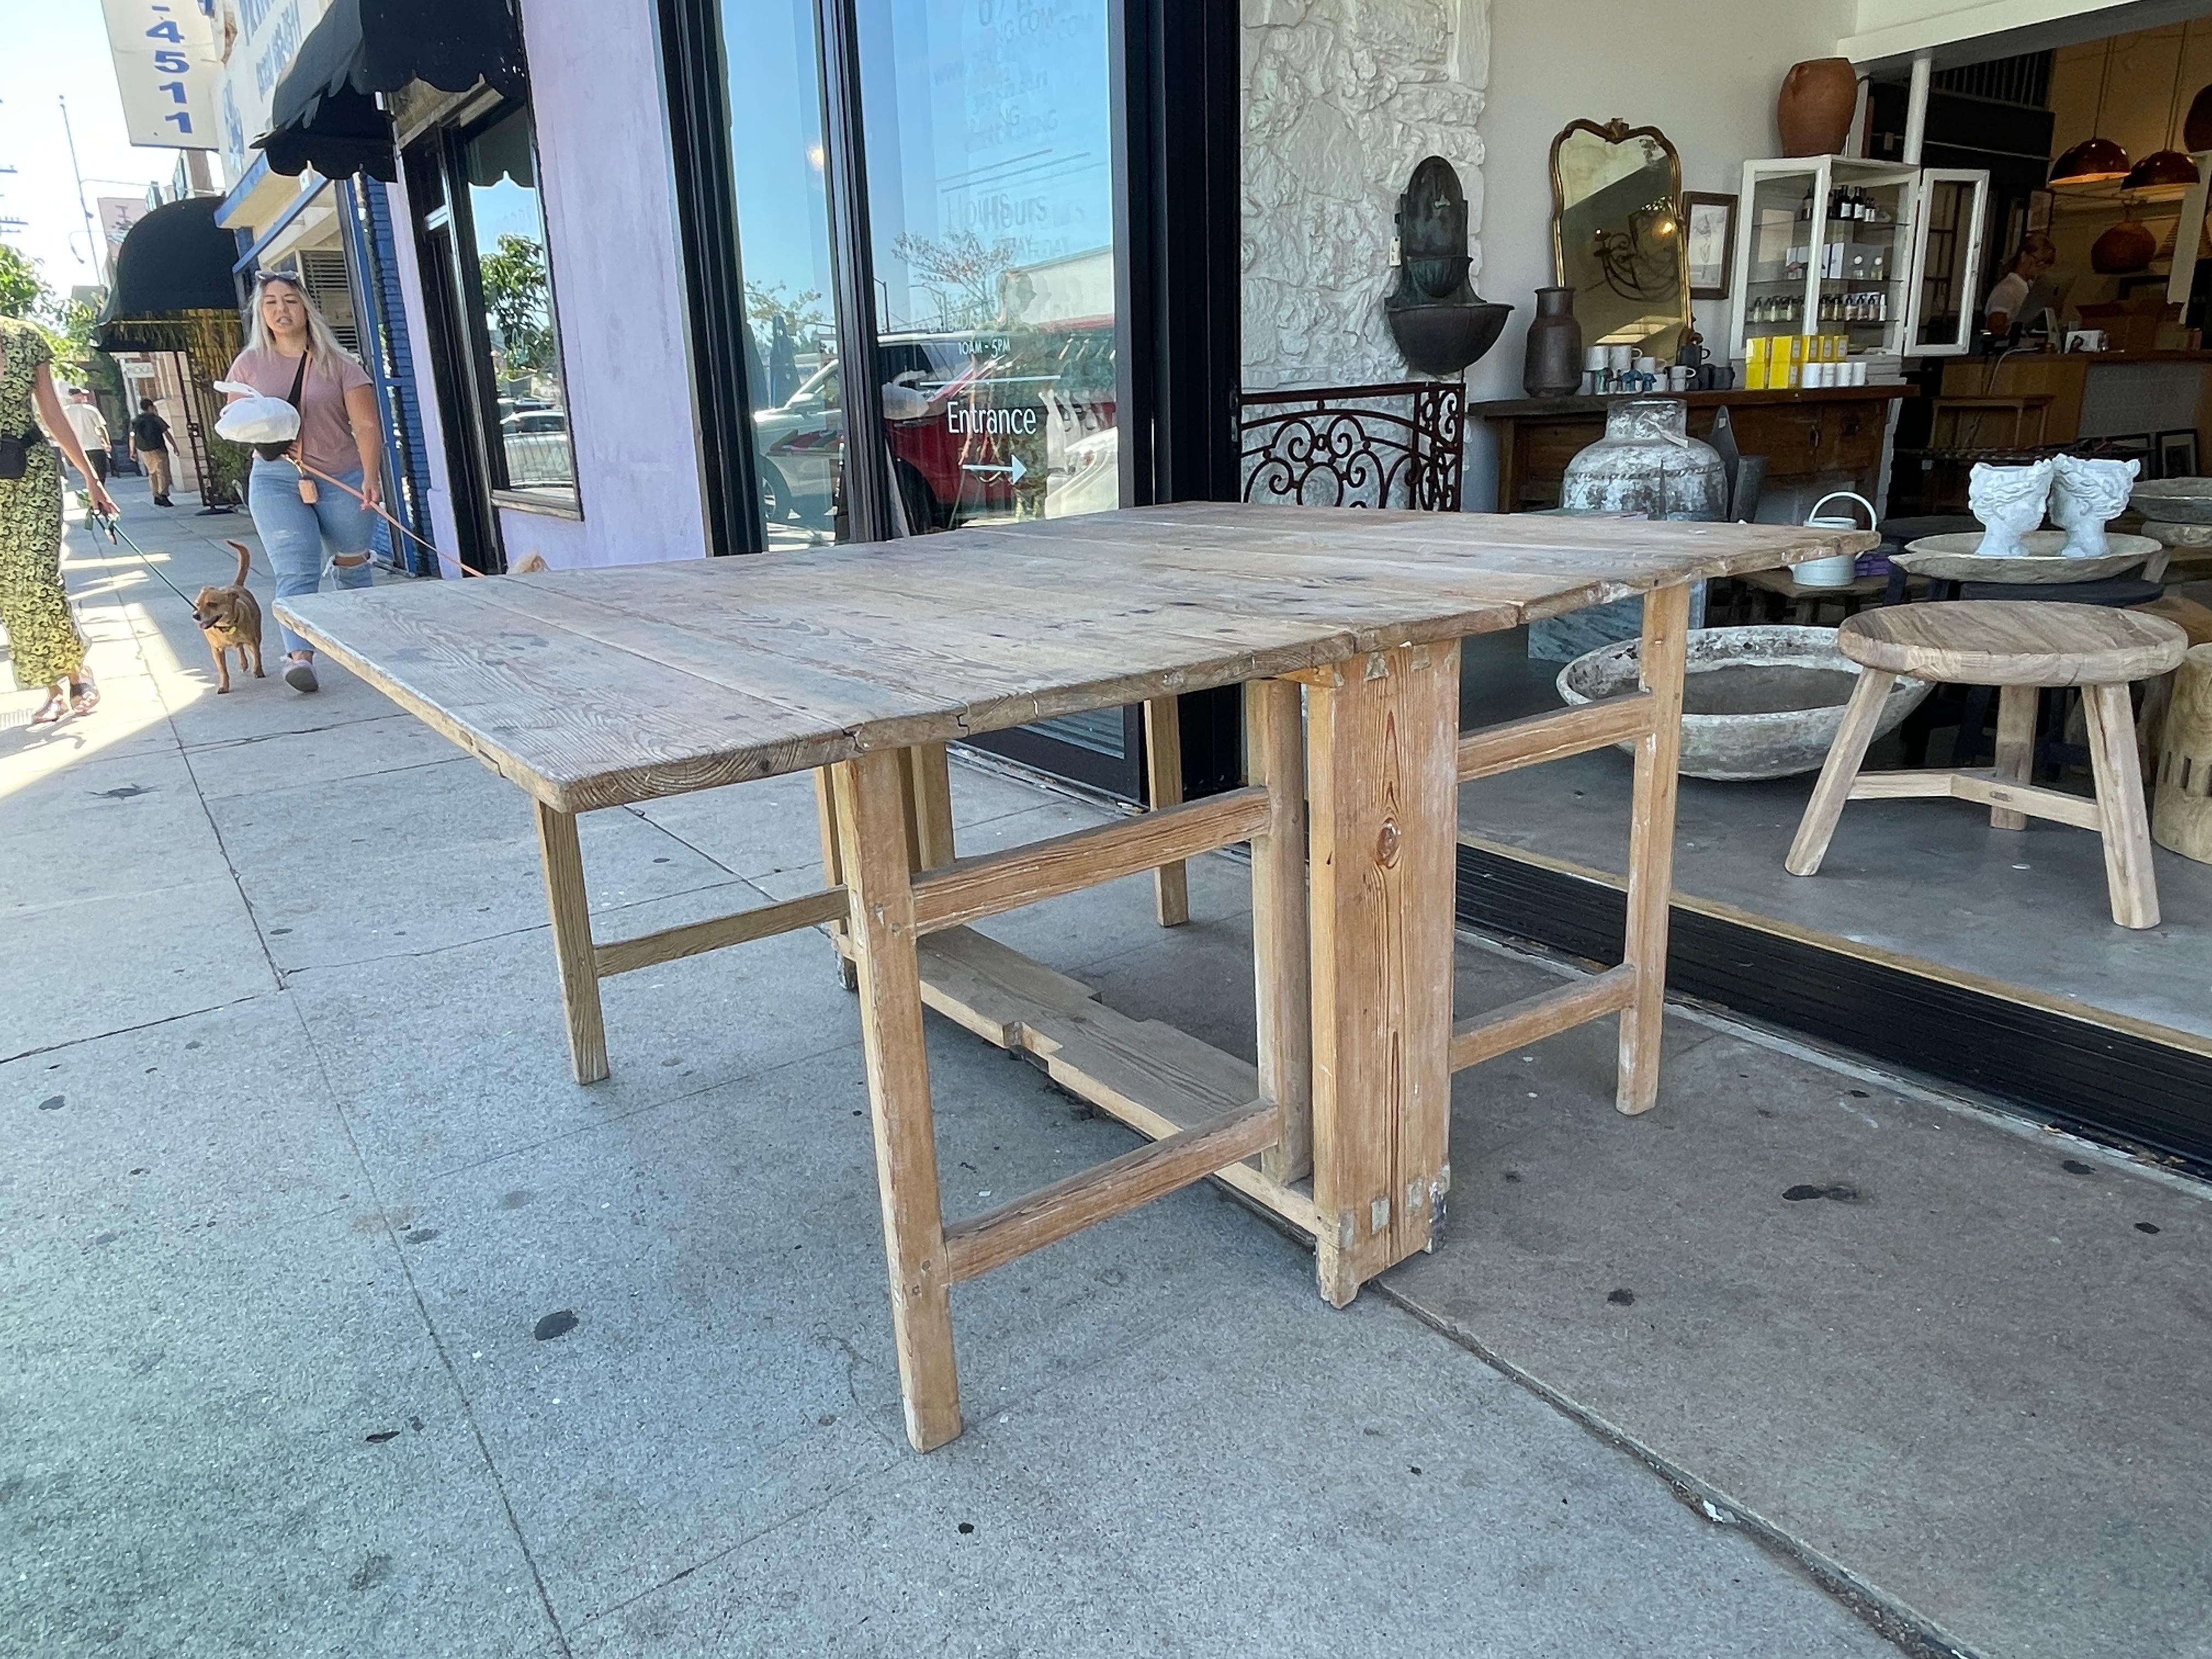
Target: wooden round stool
[(2020, 647), (2181, 809)]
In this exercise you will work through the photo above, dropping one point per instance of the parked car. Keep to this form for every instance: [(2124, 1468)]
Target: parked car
[(974, 420), (537, 445)]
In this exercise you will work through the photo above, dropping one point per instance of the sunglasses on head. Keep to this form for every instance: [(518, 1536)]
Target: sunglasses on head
[(261, 278)]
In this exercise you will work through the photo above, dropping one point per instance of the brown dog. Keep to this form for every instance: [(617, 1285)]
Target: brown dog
[(231, 618)]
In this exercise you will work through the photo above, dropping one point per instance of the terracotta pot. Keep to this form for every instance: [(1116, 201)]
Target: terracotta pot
[(1553, 366), (1814, 114), (2127, 246)]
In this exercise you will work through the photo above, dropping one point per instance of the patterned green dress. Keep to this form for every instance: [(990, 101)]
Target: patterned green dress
[(43, 644)]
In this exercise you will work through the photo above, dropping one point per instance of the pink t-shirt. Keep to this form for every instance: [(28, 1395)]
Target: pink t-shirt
[(325, 430)]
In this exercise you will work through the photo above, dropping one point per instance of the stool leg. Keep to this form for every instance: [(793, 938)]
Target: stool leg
[(2120, 798), (2016, 710), (1834, 788)]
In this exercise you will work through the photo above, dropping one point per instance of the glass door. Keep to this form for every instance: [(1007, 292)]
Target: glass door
[(941, 258), (1777, 249), (989, 131), (787, 338), (1946, 261)]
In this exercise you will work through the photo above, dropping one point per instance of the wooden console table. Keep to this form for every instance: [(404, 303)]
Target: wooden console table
[(596, 689), (1830, 439)]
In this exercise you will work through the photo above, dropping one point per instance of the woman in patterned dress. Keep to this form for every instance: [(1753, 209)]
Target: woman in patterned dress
[(44, 646)]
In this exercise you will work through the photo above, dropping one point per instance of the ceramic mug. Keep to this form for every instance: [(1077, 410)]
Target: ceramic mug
[(1620, 359)]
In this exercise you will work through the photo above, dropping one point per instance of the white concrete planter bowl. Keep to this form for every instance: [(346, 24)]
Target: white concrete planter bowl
[(1951, 558), (2173, 501), (1758, 702)]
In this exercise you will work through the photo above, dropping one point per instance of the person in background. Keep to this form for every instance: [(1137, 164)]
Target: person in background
[(91, 429), (291, 346), (2038, 253), (44, 646), (149, 444)]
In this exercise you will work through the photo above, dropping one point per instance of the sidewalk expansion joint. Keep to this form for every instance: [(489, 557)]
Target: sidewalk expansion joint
[(1894, 1620)]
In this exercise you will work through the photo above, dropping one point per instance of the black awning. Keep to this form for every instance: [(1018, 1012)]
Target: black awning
[(174, 266), (323, 114)]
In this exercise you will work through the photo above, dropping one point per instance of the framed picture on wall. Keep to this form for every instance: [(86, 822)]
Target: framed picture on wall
[(1708, 223), (2176, 453), (2132, 447)]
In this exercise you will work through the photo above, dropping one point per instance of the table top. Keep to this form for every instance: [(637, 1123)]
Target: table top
[(598, 688)]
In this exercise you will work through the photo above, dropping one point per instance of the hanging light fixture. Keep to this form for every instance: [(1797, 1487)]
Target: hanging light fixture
[(2094, 160), (2167, 166)]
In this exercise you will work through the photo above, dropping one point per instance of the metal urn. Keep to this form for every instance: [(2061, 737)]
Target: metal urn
[(1553, 366), (1648, 463)]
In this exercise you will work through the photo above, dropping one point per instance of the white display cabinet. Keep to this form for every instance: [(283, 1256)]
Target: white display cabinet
[(1888, 256)]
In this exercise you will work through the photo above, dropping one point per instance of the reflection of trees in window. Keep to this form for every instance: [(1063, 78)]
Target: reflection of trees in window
[(802, 313), (963, 273), (515, 293)]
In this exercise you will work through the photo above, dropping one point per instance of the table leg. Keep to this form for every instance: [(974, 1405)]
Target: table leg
[(1383, 747), (832, 869), (2128, 876), (1651, 846), (932, 805), (872, 842), (563, 862), (1164, 783), (2016, 751), (1275, 753)]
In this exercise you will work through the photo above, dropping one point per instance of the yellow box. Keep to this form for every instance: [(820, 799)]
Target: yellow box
[(1758, 353)]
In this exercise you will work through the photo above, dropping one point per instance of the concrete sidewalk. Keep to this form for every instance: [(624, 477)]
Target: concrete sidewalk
[(340, 1321)]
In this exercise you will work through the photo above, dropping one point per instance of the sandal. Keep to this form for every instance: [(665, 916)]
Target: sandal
[(52, 712), (84, 696)]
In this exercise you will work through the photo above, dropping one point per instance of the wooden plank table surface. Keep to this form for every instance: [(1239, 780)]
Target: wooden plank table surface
[(602, 688)]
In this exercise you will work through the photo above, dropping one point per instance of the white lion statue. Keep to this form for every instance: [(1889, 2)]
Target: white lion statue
[(2008, 500), (2086, 494)]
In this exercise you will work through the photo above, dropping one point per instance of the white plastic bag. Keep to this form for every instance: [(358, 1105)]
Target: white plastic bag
[(256, 418)]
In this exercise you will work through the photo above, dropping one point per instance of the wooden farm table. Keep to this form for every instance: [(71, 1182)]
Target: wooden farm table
[(598, 689)]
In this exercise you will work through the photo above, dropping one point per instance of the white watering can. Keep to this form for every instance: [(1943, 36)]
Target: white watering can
[(1841, 569)]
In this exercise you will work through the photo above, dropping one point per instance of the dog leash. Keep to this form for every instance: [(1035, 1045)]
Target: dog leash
[(112, 525), (377, 507)]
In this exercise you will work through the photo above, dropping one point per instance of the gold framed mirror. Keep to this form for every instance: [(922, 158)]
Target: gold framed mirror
[(1617, 235)]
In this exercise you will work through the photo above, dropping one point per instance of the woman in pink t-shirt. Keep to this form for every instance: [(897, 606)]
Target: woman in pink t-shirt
[(291, 346)]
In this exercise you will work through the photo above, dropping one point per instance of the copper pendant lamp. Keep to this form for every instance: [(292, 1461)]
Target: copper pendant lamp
[(2094, 160), (2167, 167)]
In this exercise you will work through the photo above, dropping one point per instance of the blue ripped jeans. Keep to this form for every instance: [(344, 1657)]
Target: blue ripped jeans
[(296, 534)]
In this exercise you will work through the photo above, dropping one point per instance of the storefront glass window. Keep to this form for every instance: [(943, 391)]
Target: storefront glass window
[(530, 451), (991, 206), (776, 151)]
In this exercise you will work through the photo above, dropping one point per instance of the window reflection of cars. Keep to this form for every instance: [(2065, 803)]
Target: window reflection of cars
[(536, 439), (973, 421)]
